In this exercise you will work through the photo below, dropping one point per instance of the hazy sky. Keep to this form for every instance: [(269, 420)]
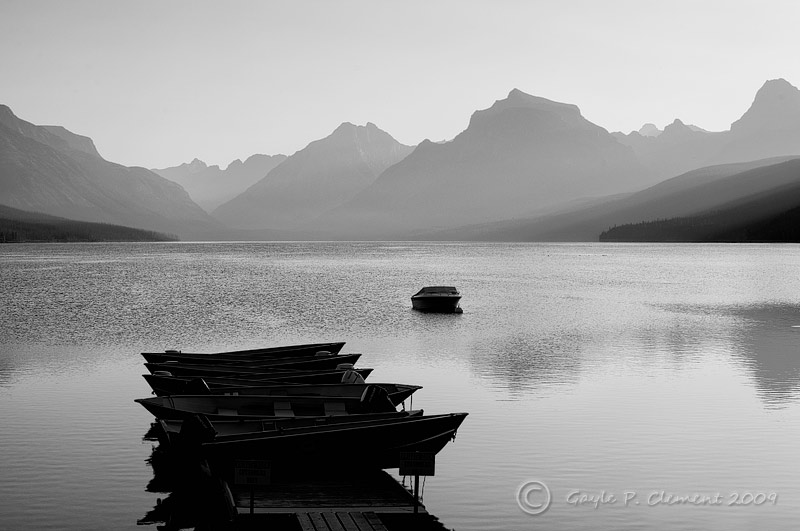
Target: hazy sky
[(157, 83)]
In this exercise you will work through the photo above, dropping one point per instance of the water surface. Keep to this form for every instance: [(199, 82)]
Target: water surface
[(596, 369)]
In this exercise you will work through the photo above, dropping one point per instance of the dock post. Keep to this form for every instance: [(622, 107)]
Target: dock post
[(416, 494)]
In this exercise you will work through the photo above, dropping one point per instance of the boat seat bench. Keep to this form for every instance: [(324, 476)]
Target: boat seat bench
[(283, 409), (335, 408)]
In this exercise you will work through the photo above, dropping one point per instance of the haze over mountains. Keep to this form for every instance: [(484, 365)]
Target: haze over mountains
[(769, 128), (50, 170), (526, 168), (522, 154), (692, 193), (762, 204), (210, 186), (321, 176)]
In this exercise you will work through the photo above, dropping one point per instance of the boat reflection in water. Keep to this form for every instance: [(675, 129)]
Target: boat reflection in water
[(437, 299), (194, 499)]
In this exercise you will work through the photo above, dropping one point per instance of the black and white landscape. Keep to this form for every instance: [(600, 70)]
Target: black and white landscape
[(570, 229), (525, 169)]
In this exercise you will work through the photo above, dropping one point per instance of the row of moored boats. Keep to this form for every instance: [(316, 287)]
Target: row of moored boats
[(298, 405)]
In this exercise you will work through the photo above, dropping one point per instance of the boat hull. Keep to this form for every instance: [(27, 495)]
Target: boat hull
[(171, 432), (436, 304), (301, 364), (255, 355), (374, 443), (176, 385), (397, 392), (226, 407)]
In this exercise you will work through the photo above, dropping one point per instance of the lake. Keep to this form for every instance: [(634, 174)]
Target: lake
[(635, 386)]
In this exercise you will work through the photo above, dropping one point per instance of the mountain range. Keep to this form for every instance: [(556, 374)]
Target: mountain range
[(525, 168), (692, 193), (520, 155), (762, 204), (211, 186), (50, 170), (23, 226), (769, 128), (319, 177)]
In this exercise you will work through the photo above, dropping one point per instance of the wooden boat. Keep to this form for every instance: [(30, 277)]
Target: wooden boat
[(211, 359), (397, 392), (373, 442), (192, 431), (438, 299), (296, 364), (165, 383), (296, 351), (226, 407)]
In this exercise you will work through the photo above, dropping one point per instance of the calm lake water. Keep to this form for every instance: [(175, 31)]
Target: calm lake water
[(651, 373)]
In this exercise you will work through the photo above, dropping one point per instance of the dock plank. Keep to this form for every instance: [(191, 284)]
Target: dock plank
[(361, 522), (375, 522), (305, 522), (347, 521), (332, 521), (318, 521)]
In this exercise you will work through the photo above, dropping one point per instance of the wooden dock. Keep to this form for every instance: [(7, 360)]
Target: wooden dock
[(373, 491), (340, 521), (366, 501)]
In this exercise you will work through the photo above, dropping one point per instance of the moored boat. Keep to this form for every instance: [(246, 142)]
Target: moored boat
[(283, 364), (196, 430), (226, 407), (397, 392), (297, 351), (212, 359), (375, 443), (437, 299), (165, 383)]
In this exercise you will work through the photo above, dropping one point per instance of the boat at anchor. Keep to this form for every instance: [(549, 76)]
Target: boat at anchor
[(437, 299)]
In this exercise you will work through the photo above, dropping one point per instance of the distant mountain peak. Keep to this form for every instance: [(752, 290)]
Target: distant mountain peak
[(345, 126), (360, 134), (54, 136), (649, 129), (776, 91), (679, 130), (195, 166), (776, 106), (324, 174), (517, 99), (8, 118), (778, 85)]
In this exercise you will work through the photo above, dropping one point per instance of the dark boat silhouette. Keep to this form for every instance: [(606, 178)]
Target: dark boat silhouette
[(178, 433), (281, 364), (226, 407), (374, 442), (297, 351), (166, 383), (437, 299), (397, 392)]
